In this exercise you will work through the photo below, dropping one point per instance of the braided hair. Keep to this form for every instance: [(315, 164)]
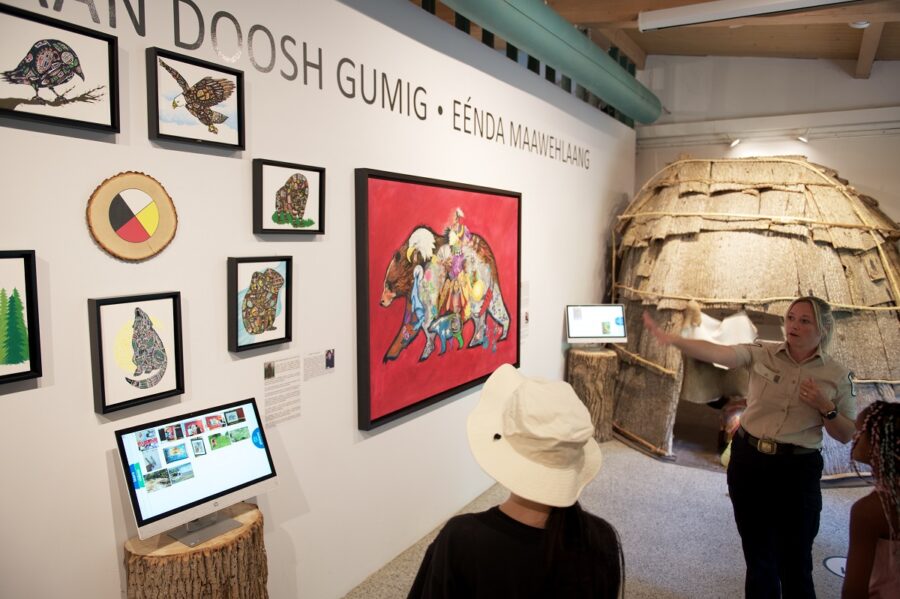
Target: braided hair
[(881, 422)]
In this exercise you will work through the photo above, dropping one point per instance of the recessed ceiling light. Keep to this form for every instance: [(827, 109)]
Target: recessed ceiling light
[(859, 24)]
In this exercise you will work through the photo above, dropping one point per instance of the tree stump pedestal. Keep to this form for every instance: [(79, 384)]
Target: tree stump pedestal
[(592, 373), (229, 566)]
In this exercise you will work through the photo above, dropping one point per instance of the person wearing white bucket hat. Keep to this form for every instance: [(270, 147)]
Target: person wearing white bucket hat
[(535, 438)]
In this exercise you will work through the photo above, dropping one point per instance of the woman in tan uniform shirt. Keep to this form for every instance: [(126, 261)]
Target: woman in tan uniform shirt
[(796, 390)]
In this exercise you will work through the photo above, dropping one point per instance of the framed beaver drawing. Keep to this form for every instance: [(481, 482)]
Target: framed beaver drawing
[(259, 302), (288, 198), (437, 269)]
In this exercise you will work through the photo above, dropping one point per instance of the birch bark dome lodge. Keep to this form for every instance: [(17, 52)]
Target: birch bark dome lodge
[(750, 234)]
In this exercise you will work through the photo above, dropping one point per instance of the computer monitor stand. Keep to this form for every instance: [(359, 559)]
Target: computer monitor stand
[(203, 529)]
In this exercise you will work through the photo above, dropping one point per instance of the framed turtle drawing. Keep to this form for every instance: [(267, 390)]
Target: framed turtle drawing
[(194, 101), (55, 72), (20, 337), (136, 349), (288, 198), (259, 302)]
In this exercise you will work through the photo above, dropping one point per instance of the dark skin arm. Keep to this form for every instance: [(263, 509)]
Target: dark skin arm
[(867, 525)]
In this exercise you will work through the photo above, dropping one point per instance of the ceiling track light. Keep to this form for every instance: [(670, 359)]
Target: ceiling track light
[(735, 142), (722, 10)]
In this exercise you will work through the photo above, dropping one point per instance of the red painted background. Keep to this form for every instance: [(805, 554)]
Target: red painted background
[(394, 209)]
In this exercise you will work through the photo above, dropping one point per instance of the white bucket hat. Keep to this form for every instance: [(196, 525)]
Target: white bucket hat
[(534, 437)]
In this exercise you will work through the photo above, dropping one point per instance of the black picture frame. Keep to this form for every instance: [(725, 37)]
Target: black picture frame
[(275, 182), (18, 268), (186, 74), (27, 35), (269, 305), (159, 324), (416, 344)]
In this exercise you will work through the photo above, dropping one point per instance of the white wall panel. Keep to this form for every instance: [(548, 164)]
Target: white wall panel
[(348, 501)]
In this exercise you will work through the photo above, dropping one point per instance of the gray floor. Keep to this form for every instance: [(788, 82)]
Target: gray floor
[(676, 526)]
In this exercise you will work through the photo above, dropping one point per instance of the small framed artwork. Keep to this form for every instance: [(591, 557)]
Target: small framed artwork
[(55, 72), (437, 271), (136, 350), (20, 336), (199, 446), (259, 302), (131, 216), (194, 101), (288, 198)]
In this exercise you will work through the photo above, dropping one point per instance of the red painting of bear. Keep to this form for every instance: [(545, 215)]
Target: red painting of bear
[(443, 289)]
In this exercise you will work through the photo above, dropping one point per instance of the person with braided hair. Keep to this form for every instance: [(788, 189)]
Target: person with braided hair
[(873, 561)]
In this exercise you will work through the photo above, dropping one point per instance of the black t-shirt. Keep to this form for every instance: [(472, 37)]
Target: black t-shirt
[(489, 554)]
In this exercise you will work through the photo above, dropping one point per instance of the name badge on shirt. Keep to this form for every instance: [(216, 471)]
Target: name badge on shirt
[(767, 373)]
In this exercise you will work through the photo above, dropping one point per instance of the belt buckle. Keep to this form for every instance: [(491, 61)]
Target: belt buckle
[(767, 446)]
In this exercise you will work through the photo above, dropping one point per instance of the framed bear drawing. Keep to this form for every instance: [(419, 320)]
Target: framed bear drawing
[(288, 198), (136, 349), (437, 271), (259, 302)]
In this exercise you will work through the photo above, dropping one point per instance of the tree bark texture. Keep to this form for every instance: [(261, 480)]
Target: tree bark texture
[(592, 373), (230, 566)]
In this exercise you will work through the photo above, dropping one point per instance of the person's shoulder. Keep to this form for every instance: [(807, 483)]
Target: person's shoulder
[(600, 525), (839, 369), (868, 513), (766, 345), (465, 523)]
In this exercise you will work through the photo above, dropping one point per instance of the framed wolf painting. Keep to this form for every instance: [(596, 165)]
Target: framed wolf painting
[(438, 272), (136, 349)]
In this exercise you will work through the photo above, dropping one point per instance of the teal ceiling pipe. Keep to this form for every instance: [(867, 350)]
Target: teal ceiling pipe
[(539, 30)]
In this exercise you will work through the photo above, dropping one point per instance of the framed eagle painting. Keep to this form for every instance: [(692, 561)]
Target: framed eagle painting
[(194, 101), (58, 73), (438, 271)]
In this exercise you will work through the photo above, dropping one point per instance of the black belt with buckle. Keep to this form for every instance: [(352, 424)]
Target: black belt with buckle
[(770, 447)]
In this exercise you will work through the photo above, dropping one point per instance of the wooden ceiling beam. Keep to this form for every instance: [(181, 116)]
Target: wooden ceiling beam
[(611, 11), (591, 14), (867, 50)]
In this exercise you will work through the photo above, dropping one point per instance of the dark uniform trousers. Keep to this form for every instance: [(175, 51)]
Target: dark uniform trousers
[(777, 501)]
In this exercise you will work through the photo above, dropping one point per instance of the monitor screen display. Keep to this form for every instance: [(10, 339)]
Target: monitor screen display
[(184, 467), (596, 323)]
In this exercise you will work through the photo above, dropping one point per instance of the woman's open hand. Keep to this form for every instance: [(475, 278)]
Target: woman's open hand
[(661, 336)]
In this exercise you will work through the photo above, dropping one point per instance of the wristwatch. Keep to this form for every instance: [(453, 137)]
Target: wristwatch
[(831, 414)]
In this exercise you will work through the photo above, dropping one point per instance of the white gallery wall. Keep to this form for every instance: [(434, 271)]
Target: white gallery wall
[(348, 501), (853, 125)]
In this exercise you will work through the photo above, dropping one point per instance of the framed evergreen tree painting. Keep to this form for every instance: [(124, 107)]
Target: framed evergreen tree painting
[(20, 338)]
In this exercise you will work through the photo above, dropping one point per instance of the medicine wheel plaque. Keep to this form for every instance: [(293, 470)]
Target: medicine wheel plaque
[(131, 216)]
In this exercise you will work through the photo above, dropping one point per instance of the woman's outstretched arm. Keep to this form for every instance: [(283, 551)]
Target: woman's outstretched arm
[(694, 348)]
